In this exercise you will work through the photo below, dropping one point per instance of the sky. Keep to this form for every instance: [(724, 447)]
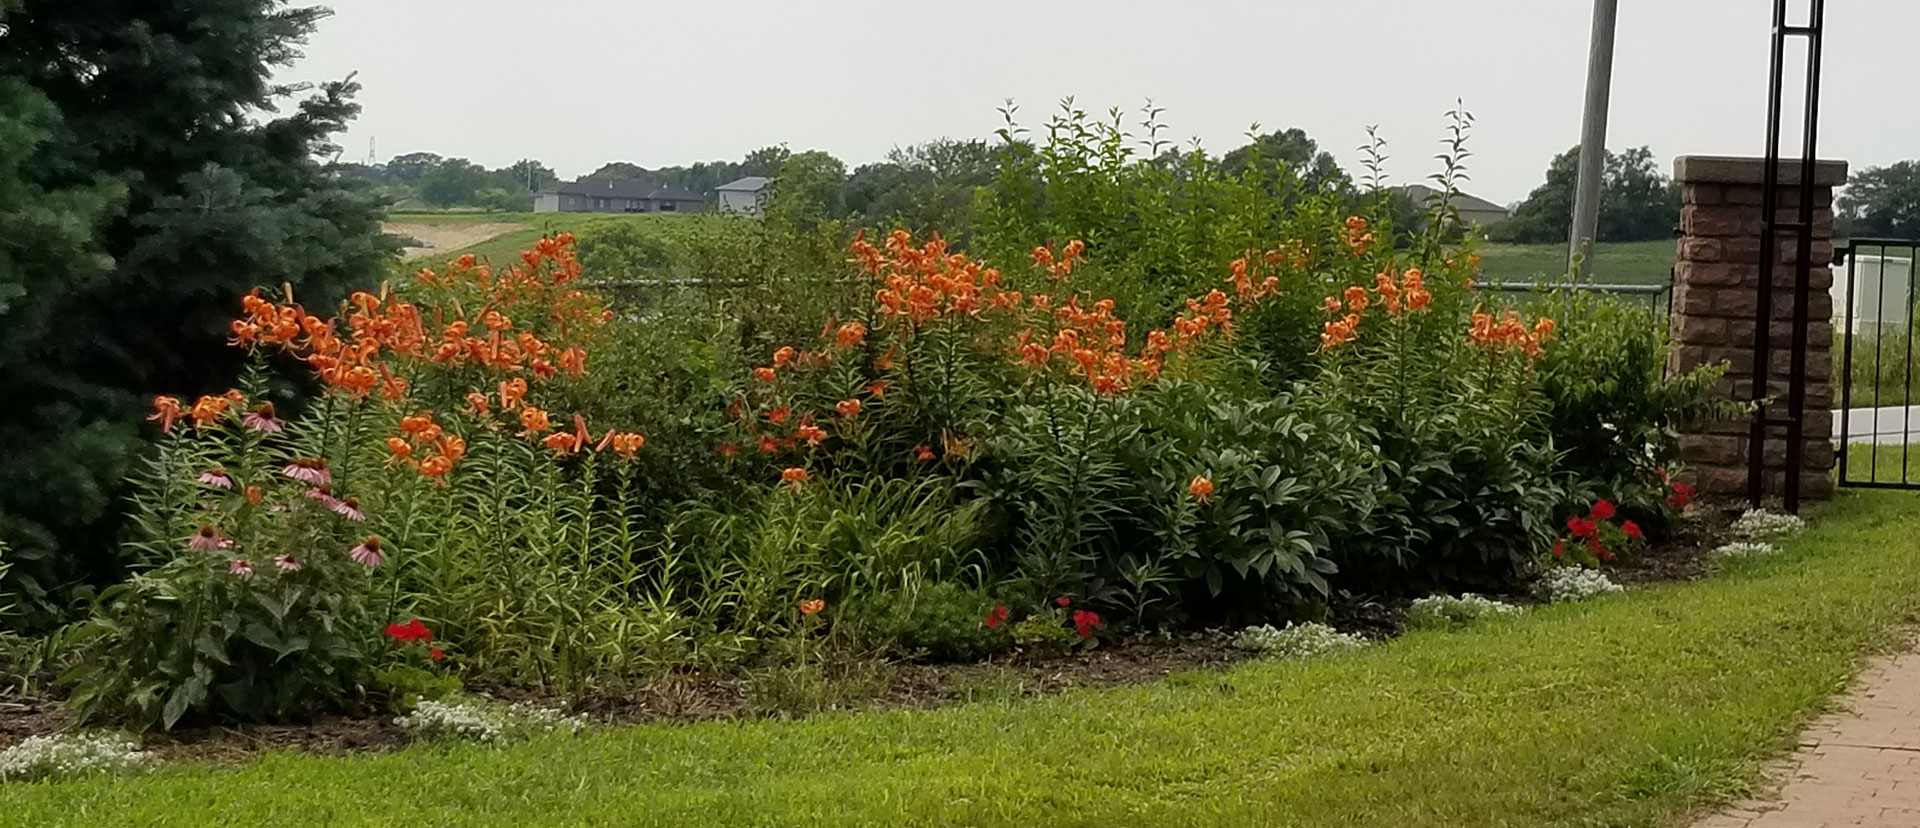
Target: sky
[(577, 83)]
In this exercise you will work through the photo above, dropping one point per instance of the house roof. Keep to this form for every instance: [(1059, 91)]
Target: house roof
[(1461, 201), (625, 188), (749, 184)]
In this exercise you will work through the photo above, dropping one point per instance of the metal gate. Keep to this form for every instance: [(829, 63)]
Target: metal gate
[(1873, 317)]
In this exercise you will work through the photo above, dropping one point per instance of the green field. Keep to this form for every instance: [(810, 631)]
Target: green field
[(1644, 263), (1631, 710)]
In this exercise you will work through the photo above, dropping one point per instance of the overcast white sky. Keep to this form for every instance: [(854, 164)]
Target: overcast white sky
[(577, 83)]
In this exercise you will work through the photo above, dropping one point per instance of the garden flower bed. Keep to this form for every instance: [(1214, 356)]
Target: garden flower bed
[(838, 470), (1638, 709)]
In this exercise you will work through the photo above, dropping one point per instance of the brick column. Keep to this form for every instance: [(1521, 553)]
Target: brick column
[(1716, 309)]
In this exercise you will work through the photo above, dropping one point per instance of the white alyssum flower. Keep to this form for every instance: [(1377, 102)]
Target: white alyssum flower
[(1760, 523), (479, 720), (1297, 640), (70, 754), (1744, 549), (1573, 583), (1448, 610)]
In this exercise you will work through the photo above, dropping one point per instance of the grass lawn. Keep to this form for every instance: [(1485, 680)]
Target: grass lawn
[(1630, 710), (1648, 262)]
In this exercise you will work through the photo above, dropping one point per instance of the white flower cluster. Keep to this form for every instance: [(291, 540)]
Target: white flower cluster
[(70, 754), (1760, 523), (1573, 583), (484, 721), (1297, 640), (1448, 610), (1744, 549)]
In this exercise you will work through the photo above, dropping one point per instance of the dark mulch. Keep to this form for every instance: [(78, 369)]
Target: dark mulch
[(1682, 556), (688, 697), (23, 717)]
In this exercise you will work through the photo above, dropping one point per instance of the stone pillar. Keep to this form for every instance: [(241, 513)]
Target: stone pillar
[(1716, 309)]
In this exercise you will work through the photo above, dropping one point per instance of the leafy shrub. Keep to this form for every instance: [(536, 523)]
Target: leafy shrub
[(405, 686), (942, 620), (261, 613), (70, 754), (829, 538), (1304, 640), (1760, 523), (1453, 610), (1612, 410), (483, 720), (1561, 584), (1042, 631)]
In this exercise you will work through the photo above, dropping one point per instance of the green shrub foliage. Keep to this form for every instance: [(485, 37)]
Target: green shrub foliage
[(1154, 391)]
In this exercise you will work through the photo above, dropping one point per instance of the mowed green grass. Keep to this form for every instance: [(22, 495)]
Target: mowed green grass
[(1640, 263), (1631, 710)]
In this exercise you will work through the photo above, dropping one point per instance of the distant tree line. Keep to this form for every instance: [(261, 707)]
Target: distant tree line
[(925, 187), (1637, 202), (1881, 202)]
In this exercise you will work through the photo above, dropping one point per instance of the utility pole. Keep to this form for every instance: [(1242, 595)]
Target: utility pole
[(1593, 137)]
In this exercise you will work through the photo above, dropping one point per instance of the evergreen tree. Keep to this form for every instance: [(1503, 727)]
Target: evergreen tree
[(146, 180)]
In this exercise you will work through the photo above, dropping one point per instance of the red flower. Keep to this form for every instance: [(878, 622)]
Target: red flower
[(1582, 528), (1632, 529), (1559, 548), (1682, 495), (436, 654), (1063, 601), (410, 632), (1086, 622), (997, 617), (1601, 510), (1593, 543)]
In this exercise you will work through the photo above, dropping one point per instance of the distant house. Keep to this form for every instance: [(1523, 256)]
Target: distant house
[(746, 195), (613, 195), (1473, 210)]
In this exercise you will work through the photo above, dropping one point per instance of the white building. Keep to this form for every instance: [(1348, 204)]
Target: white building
[(746, 195)]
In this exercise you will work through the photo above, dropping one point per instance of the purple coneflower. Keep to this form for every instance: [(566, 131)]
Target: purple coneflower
[(349, 509), (206, 538), (216, 478), (309, 470), (241, 568), (287, 563), (368, 553), (261, 419), (324, 495)]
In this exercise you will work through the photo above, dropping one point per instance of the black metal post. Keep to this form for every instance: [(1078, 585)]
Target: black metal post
[(1770, 256)]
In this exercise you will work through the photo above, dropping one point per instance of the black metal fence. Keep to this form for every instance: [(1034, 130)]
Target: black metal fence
[(1874, 305), (1657, 297)]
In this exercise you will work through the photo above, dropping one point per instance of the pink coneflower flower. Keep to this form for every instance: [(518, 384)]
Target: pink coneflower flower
[(368, 553), (324, 495), (206, 538), (349, 509), (309, 470), (241, 568), (288, 563), (216, 478), (261, 419)]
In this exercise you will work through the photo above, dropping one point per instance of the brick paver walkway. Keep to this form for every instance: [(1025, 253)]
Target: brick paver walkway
[(1857, 767)]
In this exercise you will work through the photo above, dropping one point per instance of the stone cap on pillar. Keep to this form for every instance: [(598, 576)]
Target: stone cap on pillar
[(1740, 169)]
